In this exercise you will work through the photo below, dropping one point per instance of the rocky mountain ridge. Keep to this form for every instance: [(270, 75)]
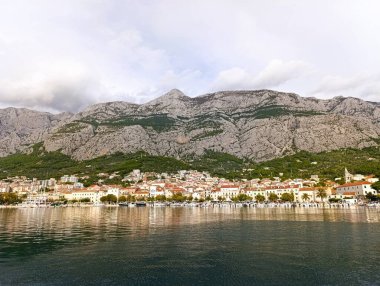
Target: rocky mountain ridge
[(259, 125)]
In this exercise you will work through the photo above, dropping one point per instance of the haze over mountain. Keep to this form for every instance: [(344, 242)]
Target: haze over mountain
[(259, 125)]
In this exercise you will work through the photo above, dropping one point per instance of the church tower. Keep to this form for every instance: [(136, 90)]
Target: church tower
[(347, 176)]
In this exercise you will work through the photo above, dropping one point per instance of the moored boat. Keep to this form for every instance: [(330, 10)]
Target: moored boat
[(140, 204)]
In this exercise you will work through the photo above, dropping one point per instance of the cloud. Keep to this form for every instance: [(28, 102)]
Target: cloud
[(276, 73), (365, 86), (333, 84), (67, 89), (64, 55), (234, 78)]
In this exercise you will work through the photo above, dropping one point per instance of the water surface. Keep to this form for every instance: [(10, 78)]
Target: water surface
[(189, 246)]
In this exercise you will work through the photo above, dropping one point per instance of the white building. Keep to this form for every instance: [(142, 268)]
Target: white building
[(69, 179), (359, 188), (225, 191)]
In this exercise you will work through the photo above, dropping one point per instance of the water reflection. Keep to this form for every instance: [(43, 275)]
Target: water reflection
[(29, 231), (146, 245)]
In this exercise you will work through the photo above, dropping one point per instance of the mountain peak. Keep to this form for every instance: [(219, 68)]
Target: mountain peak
[(169, 98), (174, 94)]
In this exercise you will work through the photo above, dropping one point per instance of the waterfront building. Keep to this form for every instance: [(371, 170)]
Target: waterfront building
[(358, 188)]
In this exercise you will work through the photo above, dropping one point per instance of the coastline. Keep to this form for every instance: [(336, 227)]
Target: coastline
[(209, 205)]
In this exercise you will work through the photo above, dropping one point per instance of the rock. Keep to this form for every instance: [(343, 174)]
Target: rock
[(260, 125)]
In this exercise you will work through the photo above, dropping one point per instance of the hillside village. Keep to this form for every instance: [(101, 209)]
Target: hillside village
[(186, 186)]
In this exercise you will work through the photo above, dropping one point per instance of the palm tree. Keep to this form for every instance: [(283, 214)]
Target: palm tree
[(322, 194), (305, 197)]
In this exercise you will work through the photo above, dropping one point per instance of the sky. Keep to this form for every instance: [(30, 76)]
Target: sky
[(65, 55)]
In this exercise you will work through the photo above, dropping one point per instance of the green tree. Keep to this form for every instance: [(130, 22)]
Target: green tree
[(178, 197), (287, 197), (9, 198), (376, 186), (244, 197), (122, 199), (85, 200), (161, 198), (260, 198), (110, 198), (131, 198), (305, 197), (371, 197), (273, 197), (322, 194)]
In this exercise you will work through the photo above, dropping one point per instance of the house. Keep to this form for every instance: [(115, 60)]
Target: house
[(253, 192), (358, 188)]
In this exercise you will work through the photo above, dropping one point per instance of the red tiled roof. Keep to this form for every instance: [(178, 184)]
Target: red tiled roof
[(349, 193), (353, 184)]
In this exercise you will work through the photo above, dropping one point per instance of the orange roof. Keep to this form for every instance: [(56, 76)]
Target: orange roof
[(307, 189), (349, 193), (353, 184), (141, 192)]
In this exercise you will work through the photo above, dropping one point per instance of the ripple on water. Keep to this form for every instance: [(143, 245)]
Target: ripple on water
[(186, 246)]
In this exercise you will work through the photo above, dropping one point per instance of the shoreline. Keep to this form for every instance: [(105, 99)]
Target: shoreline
[(208, 205)]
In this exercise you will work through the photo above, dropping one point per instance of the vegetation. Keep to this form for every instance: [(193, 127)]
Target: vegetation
[(159, 122), (376, 186), (207, 134), (328, 165), (9, 199), (273, 111), (305, 197), (373, 198), (287, 197), (273, 197), (71, 127), (109, 199), (242, 198), (260, 198), (322, 194)]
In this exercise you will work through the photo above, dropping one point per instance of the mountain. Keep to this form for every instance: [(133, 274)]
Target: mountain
[(259, 125), (21, 127)]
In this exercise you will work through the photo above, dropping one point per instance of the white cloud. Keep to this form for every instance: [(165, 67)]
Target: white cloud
[(361, 85), (233, 78), (278, 72), (275, 74), (135, 50)]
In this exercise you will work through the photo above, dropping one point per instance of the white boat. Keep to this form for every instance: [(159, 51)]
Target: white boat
[(158, 204)]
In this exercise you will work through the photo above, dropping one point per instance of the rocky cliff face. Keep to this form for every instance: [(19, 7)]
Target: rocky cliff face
[(20, 128), (259, 125)]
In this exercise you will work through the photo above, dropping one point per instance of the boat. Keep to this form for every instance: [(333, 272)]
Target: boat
[(123, 204), (140, 204), (159, 204)]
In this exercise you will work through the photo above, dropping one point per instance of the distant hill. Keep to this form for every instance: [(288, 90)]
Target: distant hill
[(328, 165), (251, 125)]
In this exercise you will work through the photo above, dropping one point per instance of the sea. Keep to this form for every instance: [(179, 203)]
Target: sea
[(189, 246)]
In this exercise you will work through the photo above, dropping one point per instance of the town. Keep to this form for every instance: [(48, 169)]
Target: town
[(185, 187)]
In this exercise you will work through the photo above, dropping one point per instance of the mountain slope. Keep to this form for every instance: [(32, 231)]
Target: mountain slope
[(259, 125)]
